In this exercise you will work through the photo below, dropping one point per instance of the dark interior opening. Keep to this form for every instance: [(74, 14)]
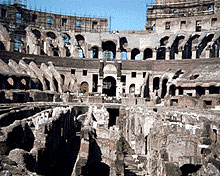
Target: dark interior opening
[(164, 88), (134, 53), (200, 90), (113, 114), (95, 83), (213, 90), (187, 169), (156, 83), (109, 86)]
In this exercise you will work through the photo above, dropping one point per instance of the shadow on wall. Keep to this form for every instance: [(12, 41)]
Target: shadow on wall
[(62, 147), (94, 165)]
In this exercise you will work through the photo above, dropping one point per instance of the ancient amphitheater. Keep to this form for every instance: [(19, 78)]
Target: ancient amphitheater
[(77, 100)]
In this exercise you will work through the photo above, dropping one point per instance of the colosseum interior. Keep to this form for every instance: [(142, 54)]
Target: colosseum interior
[(78, 100)]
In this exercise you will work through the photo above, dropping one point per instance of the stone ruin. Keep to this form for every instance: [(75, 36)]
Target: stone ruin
[(79, 101)]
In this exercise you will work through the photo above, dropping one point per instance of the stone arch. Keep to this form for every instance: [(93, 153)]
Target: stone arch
[(148, 53), (175, 46), (18, 44), (109, 50), (164, 41), (37, 33), (51, 35), (109, 86), (161, 51), (95, 52), (123, 47), (80, 41), (203, 44), (187, 52), (214, 51), (135, 54), (132, 89), (84, 88), (66, 38)]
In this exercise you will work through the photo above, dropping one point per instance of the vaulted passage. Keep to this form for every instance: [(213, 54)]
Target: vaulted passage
[(109, 86), (164, 88), (148, 53), (175, 47), (135, 54), (109, 50), (113, 114), (187, 52)]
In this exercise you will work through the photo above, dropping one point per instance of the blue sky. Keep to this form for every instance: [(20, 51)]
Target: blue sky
[(125, 14)]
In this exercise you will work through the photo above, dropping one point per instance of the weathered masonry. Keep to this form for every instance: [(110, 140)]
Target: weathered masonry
[(77, 100)]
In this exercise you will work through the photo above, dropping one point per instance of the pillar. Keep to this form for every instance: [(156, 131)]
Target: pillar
[(154, 55), (194, 54), (167, 57), (100, 83)]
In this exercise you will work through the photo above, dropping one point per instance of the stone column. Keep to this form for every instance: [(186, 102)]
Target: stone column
[(141, 55), (129, 54), (154, 54), (167, 57), (179, 56), (100, 54), (118, 55), (100, 84), (194, 52)]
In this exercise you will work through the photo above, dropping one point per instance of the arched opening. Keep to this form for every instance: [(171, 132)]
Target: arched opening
[(51, 35), (175, 47), (109, 50), (200, 91), (95, 52), (172, 90), (132, 89), (164, 88), (2, 46), (156, 83), (214, 51), (36, 33), (23, 84), (135, 54), (18, 44), (123, 48), (203, 44), (213, 90), (80, 40), (161, 51), (187, 169), (187, 52), (109, 86), (164, 41), (55, 52), (11, 83), (66, 38), (84, 88), (148, 53)]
